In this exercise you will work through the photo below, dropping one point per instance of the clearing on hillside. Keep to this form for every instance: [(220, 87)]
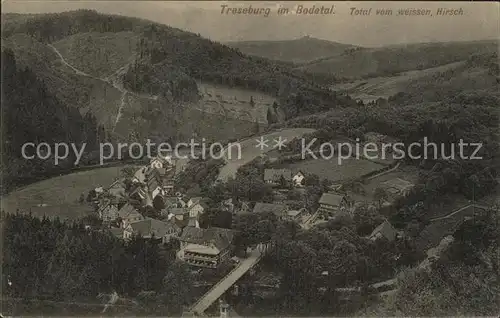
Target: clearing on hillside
[(98, 54), (391, 60), (372, 89), (300, 50), (234, 102)]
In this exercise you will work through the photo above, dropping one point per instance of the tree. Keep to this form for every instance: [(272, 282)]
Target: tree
[(366, 219), (127, 172), (158, 203), (177, 287), (149, 211), (283, 183), (311, 180)]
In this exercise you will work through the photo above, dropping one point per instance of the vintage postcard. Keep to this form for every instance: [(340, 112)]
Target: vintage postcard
[(250, 158)]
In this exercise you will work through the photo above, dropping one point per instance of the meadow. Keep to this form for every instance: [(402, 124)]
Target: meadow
[(59, 196), (331, 169)]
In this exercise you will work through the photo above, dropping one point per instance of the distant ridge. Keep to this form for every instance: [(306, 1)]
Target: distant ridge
[(301, 50)]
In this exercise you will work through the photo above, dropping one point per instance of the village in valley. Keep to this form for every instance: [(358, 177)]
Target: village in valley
[(147, 204), (350, 193)]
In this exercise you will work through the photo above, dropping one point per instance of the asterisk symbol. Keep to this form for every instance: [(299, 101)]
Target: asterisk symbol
[(279, 143), (261, 143)]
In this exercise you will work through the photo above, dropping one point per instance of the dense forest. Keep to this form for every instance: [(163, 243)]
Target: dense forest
[(470, 117), (31, 114), (463, 282), (51, 260)]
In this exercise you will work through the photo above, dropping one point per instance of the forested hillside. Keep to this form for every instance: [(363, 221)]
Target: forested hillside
[(391, 60), (305, 49), (200, 58), (32, 114), (73, 266), (470, 117)]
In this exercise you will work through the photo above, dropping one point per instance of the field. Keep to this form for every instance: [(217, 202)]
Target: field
[(250, 152), (59, 196), (408, 173), (385, 86), (301, 50), (331, 169), (392, 60)]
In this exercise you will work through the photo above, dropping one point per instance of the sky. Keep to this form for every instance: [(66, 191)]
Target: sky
[(479, 21)]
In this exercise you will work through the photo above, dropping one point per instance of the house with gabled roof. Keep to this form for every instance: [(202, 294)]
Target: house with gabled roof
[(152, 229), (179, 213), (162, 162), (205, 247), (332, 203), (298, 178), (138, 192), (128, 214), (198, 209), (192, 201), (140, 175), (108, 212), (384, 230)]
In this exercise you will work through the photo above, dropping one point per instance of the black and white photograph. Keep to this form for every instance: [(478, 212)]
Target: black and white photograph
[(250, 158)]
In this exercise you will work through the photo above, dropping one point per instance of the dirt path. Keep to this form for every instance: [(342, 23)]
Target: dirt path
[(114, 80), (458, 211)]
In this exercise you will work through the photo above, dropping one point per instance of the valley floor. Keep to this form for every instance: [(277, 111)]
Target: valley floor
[(59, 196)]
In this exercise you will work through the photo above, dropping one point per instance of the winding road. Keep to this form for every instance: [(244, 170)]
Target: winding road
[(245, 150)]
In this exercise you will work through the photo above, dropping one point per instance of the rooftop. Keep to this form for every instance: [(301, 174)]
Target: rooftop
[(276, 174), (171, 201), (195, 200), (386, 229), (153, 227), (178, 211), (117, 232), (331, 199), (128, 211), (398, 183), (219, 237), (276, 209)]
